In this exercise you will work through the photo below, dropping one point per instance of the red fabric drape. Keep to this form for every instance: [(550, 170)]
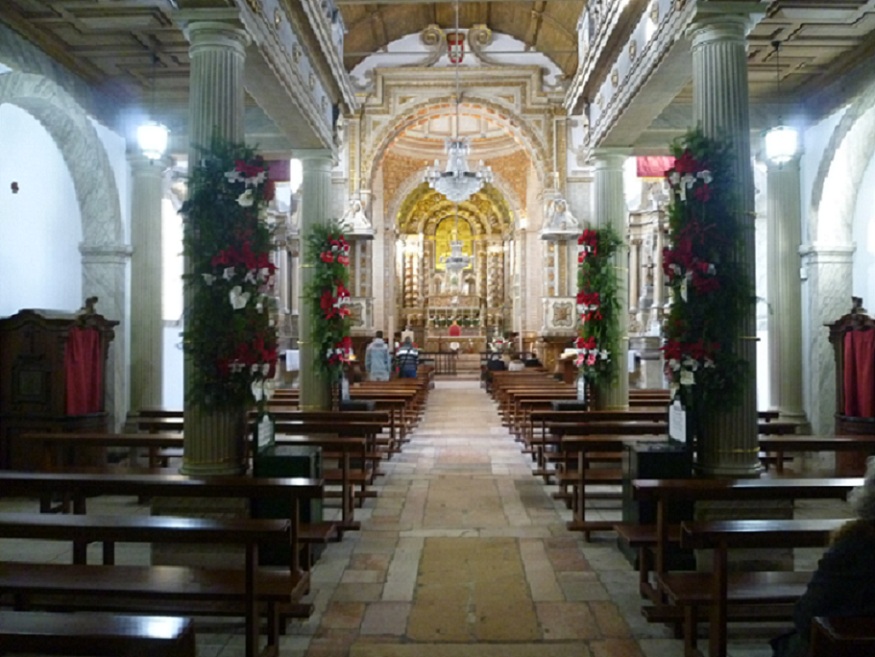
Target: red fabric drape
[(859, 373), (653, 166), (82, 360)]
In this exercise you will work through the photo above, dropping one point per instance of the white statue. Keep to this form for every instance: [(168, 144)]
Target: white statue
[(559, 217), (356, 218)]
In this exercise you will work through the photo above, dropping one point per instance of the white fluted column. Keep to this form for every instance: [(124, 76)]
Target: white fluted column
[(609, 209), (147, 353), (214, 438), (720, 108), (784, 236), (315, 209), (216, 99)]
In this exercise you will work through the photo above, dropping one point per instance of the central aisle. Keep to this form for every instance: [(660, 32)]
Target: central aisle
[(463, 552)]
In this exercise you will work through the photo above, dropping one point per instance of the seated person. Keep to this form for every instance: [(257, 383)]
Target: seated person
[(844, 582)]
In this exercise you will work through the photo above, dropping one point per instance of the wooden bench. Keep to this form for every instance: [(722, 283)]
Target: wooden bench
[(96, 634), (721, 588), (583, 448), (664, 493), (781, 444), (150, 588), (59, 448), (346, 445), (842, 636)]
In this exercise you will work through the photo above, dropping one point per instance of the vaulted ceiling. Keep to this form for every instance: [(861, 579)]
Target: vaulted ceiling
[(134, 51)]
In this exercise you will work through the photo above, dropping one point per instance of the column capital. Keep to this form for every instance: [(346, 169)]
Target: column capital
[(143, 165), (789, 167), (725, 20), (610, 157), (313, 154), (819, 253), (217, 28)]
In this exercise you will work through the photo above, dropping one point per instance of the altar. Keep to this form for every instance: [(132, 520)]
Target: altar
[(469, 342)]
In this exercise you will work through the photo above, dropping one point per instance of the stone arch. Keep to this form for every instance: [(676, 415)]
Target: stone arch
[(829, 254), (104, 255), (81, 149), (509, 119)]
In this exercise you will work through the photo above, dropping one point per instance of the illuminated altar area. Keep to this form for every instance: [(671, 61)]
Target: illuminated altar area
[(453, 275)]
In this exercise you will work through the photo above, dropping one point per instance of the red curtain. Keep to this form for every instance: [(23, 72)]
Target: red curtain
[(859, 370), (83, 363), (653, 166)]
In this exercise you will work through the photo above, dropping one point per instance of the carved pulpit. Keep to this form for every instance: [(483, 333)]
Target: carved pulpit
[(52, 378), (853, 340)]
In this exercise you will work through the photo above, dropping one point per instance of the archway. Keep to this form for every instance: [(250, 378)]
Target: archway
[(104, 255), (828, 256)]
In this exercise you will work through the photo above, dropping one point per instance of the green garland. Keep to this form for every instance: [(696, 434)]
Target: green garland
[(598, 306), (711, 293), (327, 252), (230, 336)]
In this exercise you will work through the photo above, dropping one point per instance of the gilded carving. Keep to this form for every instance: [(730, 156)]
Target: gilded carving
[(277, 17), (633, 49), (254, 5), (563, 314)]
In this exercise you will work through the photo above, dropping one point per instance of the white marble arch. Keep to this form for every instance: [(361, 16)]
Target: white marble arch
[(104, 254), (828, 254)]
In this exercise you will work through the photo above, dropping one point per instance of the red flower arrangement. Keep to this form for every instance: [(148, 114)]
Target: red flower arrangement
[(230, 333), (709, 289), (597, 305), (328, 253)]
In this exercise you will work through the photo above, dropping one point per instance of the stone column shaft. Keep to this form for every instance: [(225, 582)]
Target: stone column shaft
[(214, 437), (830, 269), (315, 210), (609, 209), (784, 236), (147, 353), (217, 99), (634, 276), (720, 108)]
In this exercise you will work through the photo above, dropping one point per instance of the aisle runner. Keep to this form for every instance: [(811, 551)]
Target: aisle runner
[(472, 589)]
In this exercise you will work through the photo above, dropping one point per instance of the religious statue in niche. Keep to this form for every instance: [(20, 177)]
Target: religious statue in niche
[(355, 217), (558, 217)]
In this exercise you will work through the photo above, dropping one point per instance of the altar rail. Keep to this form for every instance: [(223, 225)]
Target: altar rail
[(444, 362)]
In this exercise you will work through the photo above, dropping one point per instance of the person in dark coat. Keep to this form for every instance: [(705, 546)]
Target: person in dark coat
[(844, 582)]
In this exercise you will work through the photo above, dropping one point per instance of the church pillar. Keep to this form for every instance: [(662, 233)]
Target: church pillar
[(829, 271), (104, 276), (146, 360), (784, 236), (609, 209), (315, 209), (634, 275), (720, 108), (216, 100), (217, 54)]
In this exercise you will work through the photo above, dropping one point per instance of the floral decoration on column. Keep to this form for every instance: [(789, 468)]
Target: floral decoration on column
[(598, 307), (328, 296), (230, 334), (710, 291)]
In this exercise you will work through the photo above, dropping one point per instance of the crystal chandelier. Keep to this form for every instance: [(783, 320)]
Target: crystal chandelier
[(457, 182)]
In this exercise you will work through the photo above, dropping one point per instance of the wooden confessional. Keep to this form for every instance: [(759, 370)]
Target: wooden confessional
[(853, 339), (52, 377)]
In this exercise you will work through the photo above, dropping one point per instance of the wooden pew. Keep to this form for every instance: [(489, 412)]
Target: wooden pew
[(780, 444), (583, 447), (96, 634), (144, 588), (346, 445), (720, 588), (666, 492), (59, 448), (842, 636)]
